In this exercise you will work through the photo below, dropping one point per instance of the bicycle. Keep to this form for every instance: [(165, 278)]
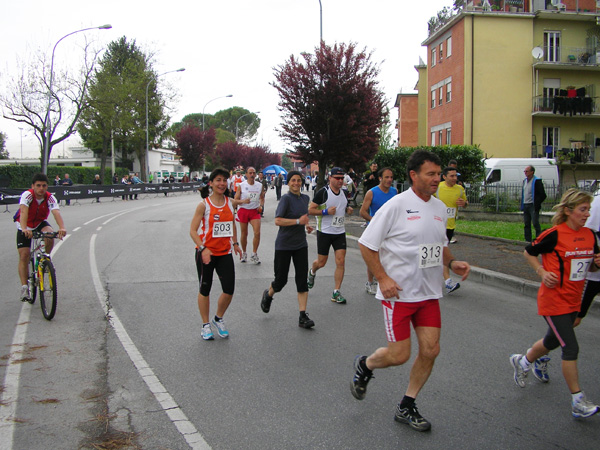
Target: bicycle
[(42, 275)]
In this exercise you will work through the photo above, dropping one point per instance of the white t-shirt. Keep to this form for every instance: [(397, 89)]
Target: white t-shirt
[(410, 236), (593, 222), (251, 191)]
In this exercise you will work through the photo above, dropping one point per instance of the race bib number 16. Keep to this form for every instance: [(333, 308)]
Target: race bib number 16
[(222, 229), (430, 255)]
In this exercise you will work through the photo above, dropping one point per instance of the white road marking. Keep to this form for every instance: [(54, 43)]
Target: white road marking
[(12, 376), (166, 401)]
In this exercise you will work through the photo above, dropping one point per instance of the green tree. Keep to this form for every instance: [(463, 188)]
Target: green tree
[(117, 96), (468, 158), (3, 151)]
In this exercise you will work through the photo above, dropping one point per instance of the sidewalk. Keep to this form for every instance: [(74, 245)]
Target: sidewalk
[(495, 262)]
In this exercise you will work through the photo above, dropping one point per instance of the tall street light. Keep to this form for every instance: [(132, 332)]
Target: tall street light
[(21, 129), (47, 123), (217, 98), (238, 121), (145, 173), (321, 15)]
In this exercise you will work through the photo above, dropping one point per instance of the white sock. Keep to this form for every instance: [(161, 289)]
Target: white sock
[(525, 364), (577, 397), (449, 282)]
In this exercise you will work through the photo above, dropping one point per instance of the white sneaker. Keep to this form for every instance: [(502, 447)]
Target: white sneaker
[(244, 257), (221, 330), (254, 258), (24, 293), (451, 287), (584, 408), (371, 288), (207, 333), (520, 374)]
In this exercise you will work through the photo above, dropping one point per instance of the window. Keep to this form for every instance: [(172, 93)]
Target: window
[(433, 138), (440, 100), (448, 92), (550, 90), (448, 136), (433, 98), (441, 135), (552, 46), (551, 141), (449, 47), (433, 61), (441, 51)]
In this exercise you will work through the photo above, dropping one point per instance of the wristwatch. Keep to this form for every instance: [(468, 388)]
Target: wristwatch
[(297, 221)]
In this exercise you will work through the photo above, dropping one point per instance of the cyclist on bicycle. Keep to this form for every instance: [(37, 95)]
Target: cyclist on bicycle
[(36, 204)]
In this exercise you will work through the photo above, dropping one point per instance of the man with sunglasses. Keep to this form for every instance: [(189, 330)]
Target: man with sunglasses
[(330, 206)]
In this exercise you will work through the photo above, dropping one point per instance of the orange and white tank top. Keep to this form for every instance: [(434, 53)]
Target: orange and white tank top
[(217, 227)]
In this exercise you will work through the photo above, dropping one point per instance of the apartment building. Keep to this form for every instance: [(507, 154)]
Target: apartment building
[(520, 78)]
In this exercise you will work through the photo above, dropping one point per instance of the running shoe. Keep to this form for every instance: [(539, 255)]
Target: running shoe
[(305, 321), (207, 333), (311, 279), (254, 258), (451, 287), (411, 416), (337, 297), (520, 373), (540, 369), (244, 257), (265, 303), (453, 241), (221, 330), (24, 293), (371, 288), (358, 385), (584, 408)]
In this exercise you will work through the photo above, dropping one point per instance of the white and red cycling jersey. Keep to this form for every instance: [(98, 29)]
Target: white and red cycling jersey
[(39, 210)]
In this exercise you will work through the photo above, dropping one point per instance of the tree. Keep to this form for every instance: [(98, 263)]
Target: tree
[(332, 108), (234, 154), (194, 145), (3, 151), (26, 98)]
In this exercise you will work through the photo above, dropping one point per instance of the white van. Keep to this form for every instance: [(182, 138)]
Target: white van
[(502, 171)]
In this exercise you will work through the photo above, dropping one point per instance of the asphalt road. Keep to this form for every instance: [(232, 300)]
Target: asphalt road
[(72, 383)]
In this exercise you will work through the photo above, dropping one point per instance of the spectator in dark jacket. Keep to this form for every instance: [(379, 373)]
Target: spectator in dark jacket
[(532, 196)]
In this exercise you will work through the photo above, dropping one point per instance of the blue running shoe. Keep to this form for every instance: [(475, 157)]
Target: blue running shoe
[(540, 369)]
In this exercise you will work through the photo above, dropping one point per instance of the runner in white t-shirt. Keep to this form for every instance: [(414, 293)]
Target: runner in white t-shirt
[(251, 195), (405, 246), (330, 206)]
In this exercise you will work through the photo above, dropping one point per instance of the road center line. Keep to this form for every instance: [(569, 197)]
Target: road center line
[(166, 401)]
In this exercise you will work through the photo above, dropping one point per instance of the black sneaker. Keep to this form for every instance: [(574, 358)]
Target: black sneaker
[(265, 303), (358, 385), (411, 416), (305, 322)]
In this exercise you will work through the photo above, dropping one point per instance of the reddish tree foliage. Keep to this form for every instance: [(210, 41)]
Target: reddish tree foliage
[(332, 109), (193, 145), (232, 154)]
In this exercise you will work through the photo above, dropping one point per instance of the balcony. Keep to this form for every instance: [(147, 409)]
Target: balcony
[(573, 107), (568, 58)]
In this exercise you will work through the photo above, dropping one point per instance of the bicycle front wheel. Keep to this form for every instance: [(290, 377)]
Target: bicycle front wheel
[(47, 287)]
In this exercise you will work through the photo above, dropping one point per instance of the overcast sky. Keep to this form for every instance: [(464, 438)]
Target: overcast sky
[(226, 46)]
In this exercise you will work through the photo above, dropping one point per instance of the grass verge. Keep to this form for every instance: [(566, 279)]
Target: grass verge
[(506, 230)]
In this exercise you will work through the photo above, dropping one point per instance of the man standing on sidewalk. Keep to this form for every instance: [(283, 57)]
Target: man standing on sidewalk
[(374, 199), (532, 196), (330, 205), (252, 198), (405, 246), (453, 195)]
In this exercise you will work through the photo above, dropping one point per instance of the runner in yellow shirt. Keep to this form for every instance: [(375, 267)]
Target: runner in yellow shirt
[(453, 195)]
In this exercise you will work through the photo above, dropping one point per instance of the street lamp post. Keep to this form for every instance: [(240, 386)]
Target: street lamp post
[(238, 121), (321, 16), (216, 98), (21, 129), (145, 173), (47, 124)]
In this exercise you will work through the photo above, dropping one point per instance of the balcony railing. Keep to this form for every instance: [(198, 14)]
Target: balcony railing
[(575, 56), (575, 106)]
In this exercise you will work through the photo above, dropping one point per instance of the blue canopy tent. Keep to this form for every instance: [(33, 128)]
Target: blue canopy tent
[(274, 169)]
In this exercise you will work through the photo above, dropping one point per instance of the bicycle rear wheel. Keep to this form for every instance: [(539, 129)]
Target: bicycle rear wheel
[(47, 287)]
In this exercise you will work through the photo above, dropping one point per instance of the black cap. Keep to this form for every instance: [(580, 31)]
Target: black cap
[(337, 171)]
